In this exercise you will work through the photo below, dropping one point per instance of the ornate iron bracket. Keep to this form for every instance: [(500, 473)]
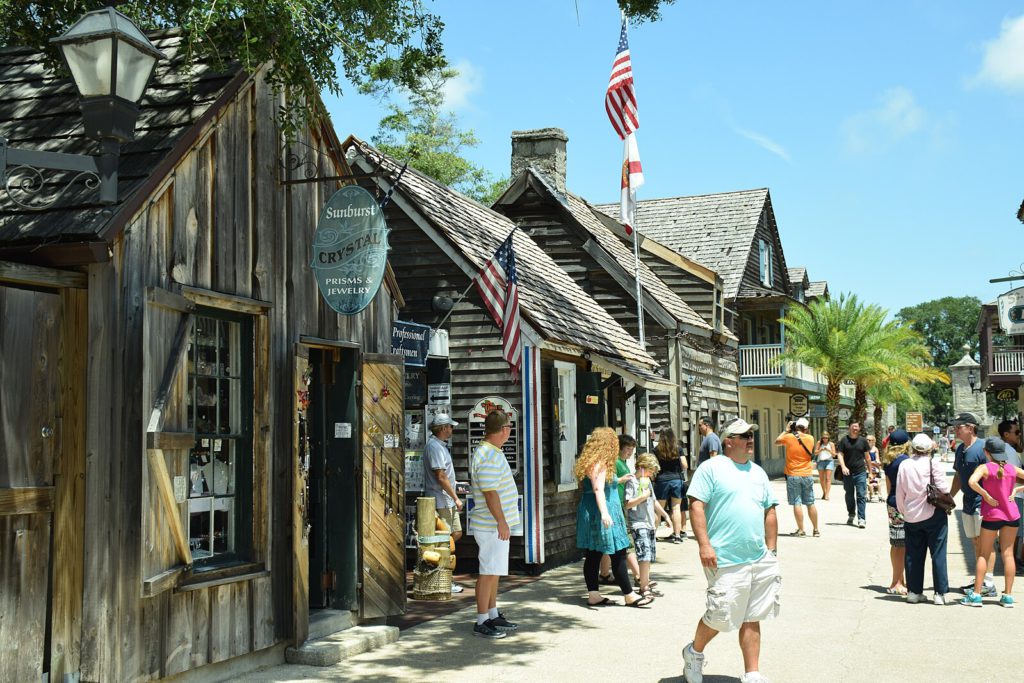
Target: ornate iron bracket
[(23, 177)]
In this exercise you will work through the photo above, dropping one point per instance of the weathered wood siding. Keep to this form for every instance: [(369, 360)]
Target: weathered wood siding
[(222, 222)]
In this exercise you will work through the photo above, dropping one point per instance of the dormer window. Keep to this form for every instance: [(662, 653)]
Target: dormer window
[(765, 252), (798, 292)]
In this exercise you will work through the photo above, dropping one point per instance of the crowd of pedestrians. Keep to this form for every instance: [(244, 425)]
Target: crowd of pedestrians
[(733, 518)]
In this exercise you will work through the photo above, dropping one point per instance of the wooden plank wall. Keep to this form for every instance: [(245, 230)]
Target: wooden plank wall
[(564, 244), (29, 400), (220, 222)]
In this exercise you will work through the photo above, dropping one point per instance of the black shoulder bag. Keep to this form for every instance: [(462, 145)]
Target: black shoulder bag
[(937, 497)]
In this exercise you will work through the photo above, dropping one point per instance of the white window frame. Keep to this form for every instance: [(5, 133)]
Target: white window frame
[(765, 249), (564, 393)]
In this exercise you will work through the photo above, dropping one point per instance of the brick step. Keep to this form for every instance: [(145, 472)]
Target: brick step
[(332, 649)]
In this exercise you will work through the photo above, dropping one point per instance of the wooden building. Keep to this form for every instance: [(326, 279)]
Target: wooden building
[(585, 243), (575, 351), (194, 449), (736, 235)]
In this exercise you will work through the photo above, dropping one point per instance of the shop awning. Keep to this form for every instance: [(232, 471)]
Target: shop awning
[(638, 375)]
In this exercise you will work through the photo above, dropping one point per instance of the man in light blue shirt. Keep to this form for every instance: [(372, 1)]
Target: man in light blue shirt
[(439, 477), (732, 513)]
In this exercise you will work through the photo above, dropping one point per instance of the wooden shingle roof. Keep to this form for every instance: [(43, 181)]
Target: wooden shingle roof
[(817, 288), (549, 298), (797, 275), (40, 111), (680, 310), (715, 230)]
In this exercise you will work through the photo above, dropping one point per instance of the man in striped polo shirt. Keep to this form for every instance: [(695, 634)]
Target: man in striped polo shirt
[(494, 513)]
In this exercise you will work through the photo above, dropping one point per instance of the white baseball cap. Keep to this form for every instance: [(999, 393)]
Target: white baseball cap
[(923, 443), (802, 422), (737, 427)]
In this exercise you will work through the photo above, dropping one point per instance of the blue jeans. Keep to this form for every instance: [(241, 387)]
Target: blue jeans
[(860, 480), (929, 535)]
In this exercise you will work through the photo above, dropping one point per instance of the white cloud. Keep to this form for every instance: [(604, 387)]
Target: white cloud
[(897, 116), (458, 90), (765, 142), (1003, 65)]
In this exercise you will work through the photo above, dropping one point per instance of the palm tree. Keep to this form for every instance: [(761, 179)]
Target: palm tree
[(833, 337), (898, 356)]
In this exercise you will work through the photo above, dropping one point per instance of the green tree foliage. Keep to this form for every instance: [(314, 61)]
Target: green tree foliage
[(843, 338), (644, 10), (423, 133), (946, 325), (376, 43)]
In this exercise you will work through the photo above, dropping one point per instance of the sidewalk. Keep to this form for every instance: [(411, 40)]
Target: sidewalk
[(837, 623)]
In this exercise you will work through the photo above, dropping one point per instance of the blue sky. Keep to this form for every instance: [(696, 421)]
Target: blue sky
[(889, 134)]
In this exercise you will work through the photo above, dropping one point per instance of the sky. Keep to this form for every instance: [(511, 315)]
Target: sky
[(889, 134)]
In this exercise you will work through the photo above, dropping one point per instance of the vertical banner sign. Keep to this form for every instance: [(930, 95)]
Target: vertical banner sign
[(350, 250), (476, 427)]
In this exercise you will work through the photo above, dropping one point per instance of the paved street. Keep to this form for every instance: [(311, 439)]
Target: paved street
[(837, 624)]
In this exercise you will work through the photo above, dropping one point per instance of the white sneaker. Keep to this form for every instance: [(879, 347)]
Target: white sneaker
[(753, 677), (914, 598), (939, 599), (456, 588), (861, 523), (693, 672)]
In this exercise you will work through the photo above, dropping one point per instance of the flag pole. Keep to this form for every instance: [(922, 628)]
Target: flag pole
[(472, 281)]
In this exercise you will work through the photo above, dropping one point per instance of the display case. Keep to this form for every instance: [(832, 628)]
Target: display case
[(214, 400)]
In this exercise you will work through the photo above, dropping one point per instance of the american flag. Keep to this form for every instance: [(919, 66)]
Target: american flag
[(632, 178), (498, 284), (620, 100)]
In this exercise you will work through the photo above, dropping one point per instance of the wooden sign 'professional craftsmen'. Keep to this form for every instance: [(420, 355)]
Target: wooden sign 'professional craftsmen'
[(350, 250)]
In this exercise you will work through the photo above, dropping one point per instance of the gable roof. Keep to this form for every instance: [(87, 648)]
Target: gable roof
[(817, 288), (798, 275), (586, 218), (716, 230), (549, 298), (40, 111)]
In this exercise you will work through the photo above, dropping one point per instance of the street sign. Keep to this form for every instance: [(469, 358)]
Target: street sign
[(935, 429), (915, 421), (818, 410), (798, 405)]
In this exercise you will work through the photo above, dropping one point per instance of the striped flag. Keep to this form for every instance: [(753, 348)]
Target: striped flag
[(620, 100), (632, 178), (498, 284)]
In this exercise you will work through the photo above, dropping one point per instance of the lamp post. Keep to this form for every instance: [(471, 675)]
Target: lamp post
[(111, 62)]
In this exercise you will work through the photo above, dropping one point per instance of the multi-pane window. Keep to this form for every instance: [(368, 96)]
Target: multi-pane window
[(565, 419), (220, 368), (766, 257)]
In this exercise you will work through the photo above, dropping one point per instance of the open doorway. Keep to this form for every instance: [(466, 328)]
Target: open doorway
[(332, 430)]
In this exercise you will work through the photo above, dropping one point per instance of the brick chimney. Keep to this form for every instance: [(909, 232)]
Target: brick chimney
[(544, 149)]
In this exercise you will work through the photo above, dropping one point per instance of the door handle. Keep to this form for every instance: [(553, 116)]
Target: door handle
[(46, 432)]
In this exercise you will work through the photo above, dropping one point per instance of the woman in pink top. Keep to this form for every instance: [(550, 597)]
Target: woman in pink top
[(995, 482), (925, 526)]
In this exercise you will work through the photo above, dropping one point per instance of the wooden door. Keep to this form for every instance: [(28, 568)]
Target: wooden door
[(382, 555), (30, 431)]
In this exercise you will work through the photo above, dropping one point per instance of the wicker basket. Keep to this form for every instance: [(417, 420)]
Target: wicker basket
[(431, 583)]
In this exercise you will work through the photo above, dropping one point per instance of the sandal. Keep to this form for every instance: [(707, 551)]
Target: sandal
[(606, 580), (603, 603), (799, 534), (816, 533), (651, 592), (644, 601)]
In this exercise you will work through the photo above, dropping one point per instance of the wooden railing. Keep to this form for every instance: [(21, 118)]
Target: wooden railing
[(1008, 360), (757, 361)]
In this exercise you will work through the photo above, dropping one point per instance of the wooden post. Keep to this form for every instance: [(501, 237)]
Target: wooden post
[(426, 513)]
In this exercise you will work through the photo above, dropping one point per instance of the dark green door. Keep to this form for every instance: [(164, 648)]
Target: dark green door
[(333, 493), (589, 405)]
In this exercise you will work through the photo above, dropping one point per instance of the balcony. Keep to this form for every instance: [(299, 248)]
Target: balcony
[(758, 368), (1002, 367)]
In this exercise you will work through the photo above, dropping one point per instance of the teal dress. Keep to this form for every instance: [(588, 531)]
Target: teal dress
[(590, 533)]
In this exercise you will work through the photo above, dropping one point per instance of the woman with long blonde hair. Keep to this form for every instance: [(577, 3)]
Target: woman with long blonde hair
[(671, 483), (600, 524), (894, 455)]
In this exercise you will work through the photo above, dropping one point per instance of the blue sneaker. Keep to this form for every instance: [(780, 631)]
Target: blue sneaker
[(1006, 600), (972, 599)]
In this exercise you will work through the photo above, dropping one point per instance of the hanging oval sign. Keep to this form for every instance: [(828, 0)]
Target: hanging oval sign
[(350, 250)]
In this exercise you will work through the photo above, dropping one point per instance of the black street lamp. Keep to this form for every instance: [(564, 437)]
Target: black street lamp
[(111, 62), (972, 380)]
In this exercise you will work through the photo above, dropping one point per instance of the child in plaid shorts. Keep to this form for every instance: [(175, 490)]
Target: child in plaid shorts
[(641, 517)]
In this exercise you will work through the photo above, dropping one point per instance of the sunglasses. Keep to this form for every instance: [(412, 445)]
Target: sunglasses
[(745, 435)]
